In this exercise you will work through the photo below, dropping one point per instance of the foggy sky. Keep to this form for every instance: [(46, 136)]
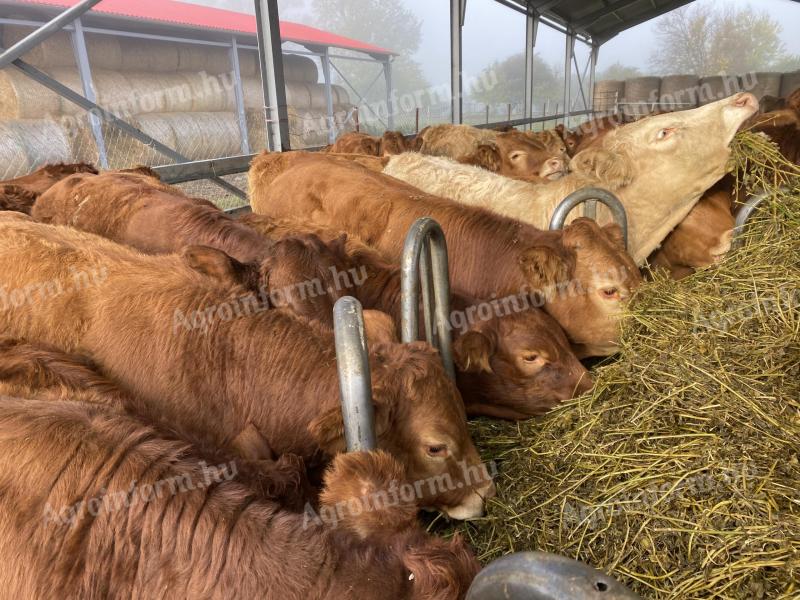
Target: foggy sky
[(494, 32)]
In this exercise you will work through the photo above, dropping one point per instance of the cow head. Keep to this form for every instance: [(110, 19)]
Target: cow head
[(393, 143), (678, 156), (571, 139), (702, 238), (517, 365), (590, 302), (519, 154), (420, 420)]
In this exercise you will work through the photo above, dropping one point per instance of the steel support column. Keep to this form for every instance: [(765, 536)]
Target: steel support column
[(457, 13), (271, 61), (45, 31), (85, 71), (239, 93), (569, 53), (326, 73), (593, 74), (531, 31), (390, 106)]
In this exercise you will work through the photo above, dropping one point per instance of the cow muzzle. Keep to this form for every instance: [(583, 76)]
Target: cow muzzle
[(473, 505)]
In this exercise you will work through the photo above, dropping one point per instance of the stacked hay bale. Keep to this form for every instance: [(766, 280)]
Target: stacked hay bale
[(680, 472), (180, 94)]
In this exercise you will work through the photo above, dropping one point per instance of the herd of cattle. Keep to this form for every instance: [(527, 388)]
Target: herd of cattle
[(147, 335)]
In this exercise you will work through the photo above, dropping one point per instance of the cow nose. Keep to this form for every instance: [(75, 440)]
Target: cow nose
[(585, 384), (745, 100)]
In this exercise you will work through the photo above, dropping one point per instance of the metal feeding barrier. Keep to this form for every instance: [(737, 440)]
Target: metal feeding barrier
[(355, 383), (591, 196), (425, 259), (744, 214), (544, 576)]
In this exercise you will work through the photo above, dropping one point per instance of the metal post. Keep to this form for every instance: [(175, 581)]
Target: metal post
[(587, 195), (387, 73), (592, 75), (457, 8), (570, 51), (239, 92), (544, 576), (45, 31), (271, 61), (85, 71), (356, 119), (352, 360), (531, 32), (743, 216), (425, 258), (417, 129), (326, 74)]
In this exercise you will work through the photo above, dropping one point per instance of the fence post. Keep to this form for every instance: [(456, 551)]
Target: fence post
[(355, 116), (425, 258), (355, 382), (417, 115), (509, 113)]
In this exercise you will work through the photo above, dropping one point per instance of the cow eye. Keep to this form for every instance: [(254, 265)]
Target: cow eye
[(530, 357), (437, 450), (517, 155), (665, 134), (610, 293)]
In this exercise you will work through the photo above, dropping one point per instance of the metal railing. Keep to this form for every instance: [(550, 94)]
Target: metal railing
[(425, 258), (590, 196)]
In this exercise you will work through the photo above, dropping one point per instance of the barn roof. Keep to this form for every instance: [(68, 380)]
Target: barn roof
[(182, 14), (600, 20)]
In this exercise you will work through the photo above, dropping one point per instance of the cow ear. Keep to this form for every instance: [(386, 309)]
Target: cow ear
[(544, 266), (614, 169), (328, 428), (473, 351), (252, 445), (379, 328), (486, 156), (14, 197), (614, 232), (214, 263), (560, 130)]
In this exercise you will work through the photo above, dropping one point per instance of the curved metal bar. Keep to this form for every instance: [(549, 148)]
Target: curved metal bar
[(425, 259), (355, 383), (543, 576), (744, 214), (588, 195)]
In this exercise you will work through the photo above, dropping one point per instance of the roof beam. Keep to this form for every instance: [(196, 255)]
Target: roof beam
[(604, 36), (609, 9)]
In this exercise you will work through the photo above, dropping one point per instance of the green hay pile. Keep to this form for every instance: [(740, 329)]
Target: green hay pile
[(679, 474)]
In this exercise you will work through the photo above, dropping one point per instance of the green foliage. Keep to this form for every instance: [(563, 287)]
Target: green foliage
[(619, 72), (507, 78), (706, 40)]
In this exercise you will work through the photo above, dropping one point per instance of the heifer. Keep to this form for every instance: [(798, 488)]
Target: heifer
[(490, 256), (42, 179), (783, 127), (200, 354), (390, 143), (516, 154), (97, 505), (702, 239), (512, 360), (137, 210), (688, 149), (16, 198)]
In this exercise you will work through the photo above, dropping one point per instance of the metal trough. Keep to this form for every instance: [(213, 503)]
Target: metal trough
[(425, 259), (589, 196), (744, 214), (355, 383), (543, 576)]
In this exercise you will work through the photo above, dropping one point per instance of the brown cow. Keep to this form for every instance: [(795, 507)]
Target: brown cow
[(782, 127), (392, 142), (702, 239), (19, 194), (513, 361), (16, 198), (97, 505), (139, 211), (515, 153), (201, 355), (490, 255)]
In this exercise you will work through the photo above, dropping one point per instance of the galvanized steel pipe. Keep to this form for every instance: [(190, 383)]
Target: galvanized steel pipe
[(586, 195), (425, 258), (355, 383)]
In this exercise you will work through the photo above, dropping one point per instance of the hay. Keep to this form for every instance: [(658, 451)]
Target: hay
[(42, 141), (151, 56), (104, 51), (299, 69), (112, 90), (22, 98), (679, 473), (13, 159)]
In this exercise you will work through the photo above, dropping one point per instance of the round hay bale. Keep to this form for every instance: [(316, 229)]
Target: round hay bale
[(146, 92), (319, 99), (105, 51), (253, 93), (299, 69), (607, 94), (641, 96), (340, 95), (43, 141), (298, 95), (209, 93), (789, 83), (55, 51), (257, 130), (112, 89), (679, 92), (125, 151), (718, 87), (82, 145), (23, 98), (218, 61), (177, 92), (220, 133), (248, 63), (151, 56), (762, 84), (191, 58), (13, 158)]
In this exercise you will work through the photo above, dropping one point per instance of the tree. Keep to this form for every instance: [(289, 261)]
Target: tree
[(503, 82), (619, 72), (706, 41)]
